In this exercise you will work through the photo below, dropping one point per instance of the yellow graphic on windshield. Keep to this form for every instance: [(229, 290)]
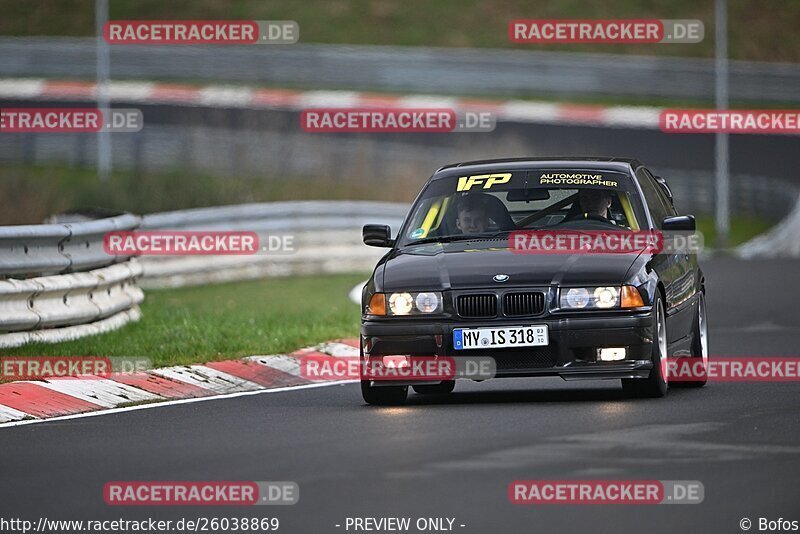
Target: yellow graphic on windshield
[(465, 183)]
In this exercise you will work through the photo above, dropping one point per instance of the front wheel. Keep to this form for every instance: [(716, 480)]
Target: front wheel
[(699, 346), (655, 385), (383, 395), (380, 395)]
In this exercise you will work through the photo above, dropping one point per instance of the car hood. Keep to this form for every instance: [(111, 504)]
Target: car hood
[(463, 266)]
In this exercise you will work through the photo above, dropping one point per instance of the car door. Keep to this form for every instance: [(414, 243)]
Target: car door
[(673, 267)]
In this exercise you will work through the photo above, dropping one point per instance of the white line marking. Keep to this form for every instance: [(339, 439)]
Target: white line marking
[(134, 91), (21, 87), (339, 350), (174, 402), (427, 101), (7, 413), (631, 117), (329, 99), (223, 95), (529, 111), (287, 364), (98, 391), (207, 378)]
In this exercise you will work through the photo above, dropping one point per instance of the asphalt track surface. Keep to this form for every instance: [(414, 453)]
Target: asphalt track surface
[(454, 457)]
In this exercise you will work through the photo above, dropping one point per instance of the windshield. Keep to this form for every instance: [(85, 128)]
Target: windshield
[(480, 206)]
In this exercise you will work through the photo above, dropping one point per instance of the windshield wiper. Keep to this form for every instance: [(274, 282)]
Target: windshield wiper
[(458, 237)]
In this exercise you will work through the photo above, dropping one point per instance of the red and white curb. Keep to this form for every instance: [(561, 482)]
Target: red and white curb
[(29, 401), (287, 99)]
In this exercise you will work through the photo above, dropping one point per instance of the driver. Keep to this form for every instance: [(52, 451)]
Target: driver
[(472, 215), (595, 204)]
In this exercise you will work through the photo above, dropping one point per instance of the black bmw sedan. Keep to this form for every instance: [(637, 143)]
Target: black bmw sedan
[(573, 267)]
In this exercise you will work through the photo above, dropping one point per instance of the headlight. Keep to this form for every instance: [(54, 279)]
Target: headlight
[(400, 303), (428, 302), (410, 303), (577, 298), (606, 297)]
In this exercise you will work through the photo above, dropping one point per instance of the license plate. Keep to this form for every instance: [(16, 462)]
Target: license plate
[(492, 338)]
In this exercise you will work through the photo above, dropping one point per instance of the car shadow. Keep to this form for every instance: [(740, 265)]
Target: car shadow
[(535, 396)]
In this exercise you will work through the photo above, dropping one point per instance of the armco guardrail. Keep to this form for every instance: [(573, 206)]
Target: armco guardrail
[(418, 69), (57, 282), (64, 307), (46, 249), (37, 249), (326, 239)]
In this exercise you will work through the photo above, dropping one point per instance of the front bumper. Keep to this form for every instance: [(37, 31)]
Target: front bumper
[(570, 354)]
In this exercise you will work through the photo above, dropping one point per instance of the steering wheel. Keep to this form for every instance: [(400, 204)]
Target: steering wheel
[(588, 221)]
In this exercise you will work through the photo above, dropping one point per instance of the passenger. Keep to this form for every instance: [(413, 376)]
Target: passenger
[(472, 215), (594, 203)]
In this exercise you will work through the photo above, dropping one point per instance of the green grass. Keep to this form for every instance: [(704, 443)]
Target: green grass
[(741, 229), (227, 321), (765, 30)]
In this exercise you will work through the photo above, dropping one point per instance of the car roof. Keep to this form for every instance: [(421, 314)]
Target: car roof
[(625, 165)]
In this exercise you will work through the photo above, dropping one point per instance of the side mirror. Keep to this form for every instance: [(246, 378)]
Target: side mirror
[(377, 235), (663, 183), (681, 223)]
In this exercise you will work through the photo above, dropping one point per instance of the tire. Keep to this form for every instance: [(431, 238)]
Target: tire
[(655, 385), (383, 395), (699, 343), (447, 386)]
